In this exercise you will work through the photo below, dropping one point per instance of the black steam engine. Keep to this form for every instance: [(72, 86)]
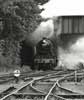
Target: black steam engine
[(45, 58)]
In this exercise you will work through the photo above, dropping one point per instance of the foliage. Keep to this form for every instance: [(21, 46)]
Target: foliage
[(18, 18)]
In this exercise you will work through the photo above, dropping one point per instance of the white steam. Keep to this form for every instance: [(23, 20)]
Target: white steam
[(73, 55)]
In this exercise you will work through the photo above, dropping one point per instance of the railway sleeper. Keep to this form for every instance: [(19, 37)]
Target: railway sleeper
[(72, 96), (26, 96), (32, 96)]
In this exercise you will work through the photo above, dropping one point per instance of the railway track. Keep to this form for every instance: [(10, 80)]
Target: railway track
[(63, 90), (5, 94), (16, 90), (26, 86), (5, 79), (44, 87), (55, 88)]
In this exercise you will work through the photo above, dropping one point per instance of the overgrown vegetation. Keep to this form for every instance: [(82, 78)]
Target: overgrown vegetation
[(18, 18)]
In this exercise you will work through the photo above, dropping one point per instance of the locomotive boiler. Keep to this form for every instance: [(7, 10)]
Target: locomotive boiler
[(45, 56)]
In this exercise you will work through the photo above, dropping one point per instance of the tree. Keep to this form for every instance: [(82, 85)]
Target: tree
[(18, 18)]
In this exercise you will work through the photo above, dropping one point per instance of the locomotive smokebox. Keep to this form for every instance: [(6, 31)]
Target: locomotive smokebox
[(45, 55)]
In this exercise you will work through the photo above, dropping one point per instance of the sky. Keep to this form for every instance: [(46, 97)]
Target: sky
[(63, 7)]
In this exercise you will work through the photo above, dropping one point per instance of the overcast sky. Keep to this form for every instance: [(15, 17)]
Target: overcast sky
[(63, 7)]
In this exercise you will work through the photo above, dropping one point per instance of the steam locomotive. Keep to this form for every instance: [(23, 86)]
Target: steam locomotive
[(45, 57)]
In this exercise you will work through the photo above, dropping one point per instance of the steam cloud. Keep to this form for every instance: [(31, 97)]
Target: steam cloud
[(72, 55)]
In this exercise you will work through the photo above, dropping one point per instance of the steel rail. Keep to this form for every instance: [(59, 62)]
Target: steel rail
[(50, 91), (25, 84), (56, 83), (36, 88), (16, 90), (42, 78)]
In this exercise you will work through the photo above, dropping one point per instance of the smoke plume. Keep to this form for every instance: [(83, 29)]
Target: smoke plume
[(45, 29)]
